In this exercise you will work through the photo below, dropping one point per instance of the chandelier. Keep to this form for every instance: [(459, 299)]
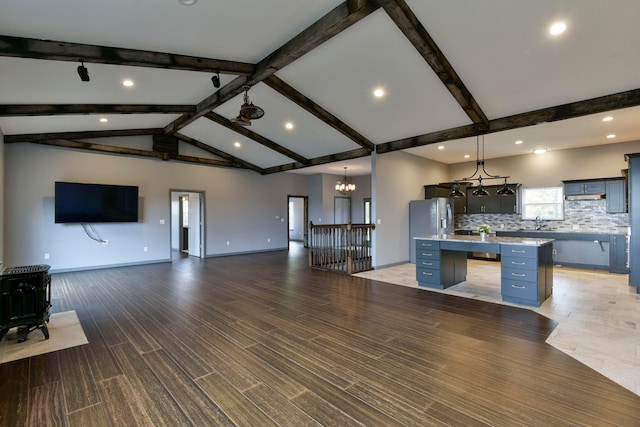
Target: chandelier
[(248, 111), (345, 187), (480, 191)]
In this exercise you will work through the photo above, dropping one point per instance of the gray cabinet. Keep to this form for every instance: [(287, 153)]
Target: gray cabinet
[(618, 254), (439, 269), (572, 188), (616, 190), (443, 190), (527, 274), (493, 203)]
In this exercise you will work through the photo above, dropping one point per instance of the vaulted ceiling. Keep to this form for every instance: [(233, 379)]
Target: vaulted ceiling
[(449, 71)]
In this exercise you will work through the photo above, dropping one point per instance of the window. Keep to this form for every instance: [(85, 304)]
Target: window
[(547, 203)]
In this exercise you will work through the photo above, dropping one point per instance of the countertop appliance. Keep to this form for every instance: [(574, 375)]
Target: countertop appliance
[(429, 217)]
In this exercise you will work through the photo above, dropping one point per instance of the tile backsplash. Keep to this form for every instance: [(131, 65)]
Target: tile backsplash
[(580, 216)]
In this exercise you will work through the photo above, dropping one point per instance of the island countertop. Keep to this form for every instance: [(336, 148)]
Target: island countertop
[(487, 240)]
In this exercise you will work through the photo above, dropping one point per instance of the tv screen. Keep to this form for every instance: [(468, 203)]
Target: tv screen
[(93, 203)]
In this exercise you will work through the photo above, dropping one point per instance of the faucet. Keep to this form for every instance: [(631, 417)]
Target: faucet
[(538, 223)]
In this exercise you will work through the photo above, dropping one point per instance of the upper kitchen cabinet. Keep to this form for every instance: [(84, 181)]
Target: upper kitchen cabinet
[(613, 189), (443, 190), (616, 190), (576, 188), (493, 203)]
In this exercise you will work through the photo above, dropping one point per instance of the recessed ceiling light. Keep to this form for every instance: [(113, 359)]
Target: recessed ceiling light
[(127, 83), (518, 142), (236, 144), (466, 156), (187, 2), (440, 147), (288, 125), (103, 120), (557, 28), (607, 119), (378, 92), (540, 150), (611, 135)]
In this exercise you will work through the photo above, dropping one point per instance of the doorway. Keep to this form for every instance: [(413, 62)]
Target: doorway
[(298, 219), (188, 222)]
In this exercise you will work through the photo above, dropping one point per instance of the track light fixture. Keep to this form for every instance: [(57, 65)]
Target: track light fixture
[(83, 72), (215, 79)]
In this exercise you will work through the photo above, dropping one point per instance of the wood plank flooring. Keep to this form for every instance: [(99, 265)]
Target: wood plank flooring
[(262, 340)]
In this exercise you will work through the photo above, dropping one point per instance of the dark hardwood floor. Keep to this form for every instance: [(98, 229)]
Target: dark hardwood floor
[(262, 340)]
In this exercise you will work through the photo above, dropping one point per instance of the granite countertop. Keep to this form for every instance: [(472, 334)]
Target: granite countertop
[(488, 239)]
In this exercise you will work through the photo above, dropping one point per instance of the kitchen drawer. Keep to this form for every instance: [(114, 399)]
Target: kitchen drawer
[(519, 289), (520, 263), (427, 263), (428, 276), (427, 244), (478, 246), (520, 275), (519, 251), (427, 254)]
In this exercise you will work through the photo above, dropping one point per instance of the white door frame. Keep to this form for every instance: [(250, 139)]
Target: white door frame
[(201, 253)]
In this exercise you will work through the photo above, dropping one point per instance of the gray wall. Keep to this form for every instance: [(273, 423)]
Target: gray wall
[(241, 207), (398, 178), (551, 168)]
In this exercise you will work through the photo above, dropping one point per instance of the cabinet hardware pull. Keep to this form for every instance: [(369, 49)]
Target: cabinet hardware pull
[(517, 263), (517, 287), (518, 275), (427, 263), (517, 252), (427, 274), (423, 254)]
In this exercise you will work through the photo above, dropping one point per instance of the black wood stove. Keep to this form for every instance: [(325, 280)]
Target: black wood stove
[(25, 300)]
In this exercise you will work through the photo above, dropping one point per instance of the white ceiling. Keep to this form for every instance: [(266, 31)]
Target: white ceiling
[(500, 49)]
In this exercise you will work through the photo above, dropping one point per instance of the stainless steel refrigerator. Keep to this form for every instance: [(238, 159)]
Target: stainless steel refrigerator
[(429, 217)]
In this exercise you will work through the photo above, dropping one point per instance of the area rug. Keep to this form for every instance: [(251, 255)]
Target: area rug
[(65, 331)]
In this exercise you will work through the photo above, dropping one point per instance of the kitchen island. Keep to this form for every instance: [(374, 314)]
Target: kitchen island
[(526, 270)]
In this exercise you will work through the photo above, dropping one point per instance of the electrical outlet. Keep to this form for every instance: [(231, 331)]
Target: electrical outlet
[(161, 221), (145, 249), (105, 242), (228, 243), (46, 256), (269, 240)]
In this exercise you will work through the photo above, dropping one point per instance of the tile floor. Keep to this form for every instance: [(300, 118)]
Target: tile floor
[(598, 316), (64, 331)]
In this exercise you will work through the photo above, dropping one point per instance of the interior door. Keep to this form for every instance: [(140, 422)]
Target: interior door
[(194, 224)]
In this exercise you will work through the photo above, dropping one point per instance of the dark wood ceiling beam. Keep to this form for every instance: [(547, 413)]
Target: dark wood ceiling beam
[(301, 100), (340, 18), (78, 145), (216, 152), (571, 110), (337, 157), (217, 118), (62, 51), (409, 24), (36, 137), (70, 109)]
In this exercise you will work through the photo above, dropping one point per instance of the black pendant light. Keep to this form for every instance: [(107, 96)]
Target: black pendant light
[(480, 190), (505, 190), (455, 191)]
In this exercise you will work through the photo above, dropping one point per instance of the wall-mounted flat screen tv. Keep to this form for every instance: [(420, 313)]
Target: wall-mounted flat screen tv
[(94, 203)]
